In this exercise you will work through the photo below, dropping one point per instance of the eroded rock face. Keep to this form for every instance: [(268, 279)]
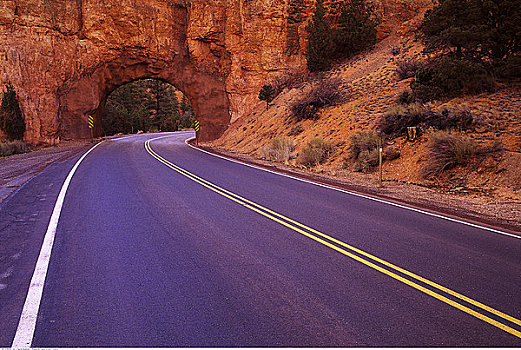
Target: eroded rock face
[(64, 57)]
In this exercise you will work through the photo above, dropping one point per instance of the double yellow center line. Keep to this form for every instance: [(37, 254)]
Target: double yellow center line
[(409, 278)]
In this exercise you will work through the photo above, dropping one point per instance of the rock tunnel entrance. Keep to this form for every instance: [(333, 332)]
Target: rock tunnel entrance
[(88, 96), (146, 105), (64, 58)]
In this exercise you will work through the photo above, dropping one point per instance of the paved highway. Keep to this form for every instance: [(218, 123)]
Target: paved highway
[(159, 244)]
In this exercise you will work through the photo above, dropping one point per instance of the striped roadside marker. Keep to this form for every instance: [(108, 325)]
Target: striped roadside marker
[(197, 132), (91, 127)]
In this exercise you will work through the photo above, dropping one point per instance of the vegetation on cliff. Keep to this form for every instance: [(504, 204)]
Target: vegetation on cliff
[(473, 42), (352, 31), (11, 120), (320, 40)]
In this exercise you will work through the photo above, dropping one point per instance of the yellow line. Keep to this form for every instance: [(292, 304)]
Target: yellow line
[(292, 224)]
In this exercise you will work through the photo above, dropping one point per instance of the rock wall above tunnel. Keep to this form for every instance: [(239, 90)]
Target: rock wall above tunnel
[(65, 56)]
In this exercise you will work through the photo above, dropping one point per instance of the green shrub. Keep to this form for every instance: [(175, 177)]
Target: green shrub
[(446, 151), (323, 94), (279, 149), (363, 141), (267, 93), (406, 98), (315, 152), (10, 148), (510, 68), (12, 122), (367, 160), (398, 118), (486, 31), (450, 77), (407, 69), (364, 149), (391, 153)]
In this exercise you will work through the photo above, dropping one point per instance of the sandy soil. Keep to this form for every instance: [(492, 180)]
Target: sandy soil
[(18, 169)]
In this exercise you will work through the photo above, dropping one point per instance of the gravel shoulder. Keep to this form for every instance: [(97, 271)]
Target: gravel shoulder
[(494, 211), (16, 170)]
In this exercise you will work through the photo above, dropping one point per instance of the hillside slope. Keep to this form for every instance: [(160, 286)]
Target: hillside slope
[(371, 85)]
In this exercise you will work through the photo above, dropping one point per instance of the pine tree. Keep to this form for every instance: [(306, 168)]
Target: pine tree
[(474, 29), (356, 28), (267, 93), (319, 40), (11, 120)]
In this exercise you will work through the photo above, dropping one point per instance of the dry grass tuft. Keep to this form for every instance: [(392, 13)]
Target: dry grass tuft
[(10, 148), (315, 152), (279, 149), (446, 151)]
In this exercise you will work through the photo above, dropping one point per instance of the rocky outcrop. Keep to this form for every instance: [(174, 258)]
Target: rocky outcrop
[(64, 57)]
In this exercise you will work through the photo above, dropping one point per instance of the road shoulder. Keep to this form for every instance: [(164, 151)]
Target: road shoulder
[(494, 212), (16, 170)]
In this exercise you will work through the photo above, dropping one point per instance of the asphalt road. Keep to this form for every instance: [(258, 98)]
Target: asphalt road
[(162, 245)]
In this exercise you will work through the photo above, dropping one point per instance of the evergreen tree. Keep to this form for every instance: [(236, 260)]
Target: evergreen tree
[(319, 40), (187, 113), (356, 28), (267, 93), (474, 29), (11, 120)]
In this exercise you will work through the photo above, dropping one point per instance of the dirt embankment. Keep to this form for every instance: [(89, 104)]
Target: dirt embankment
[(18, 169), (488, 188)]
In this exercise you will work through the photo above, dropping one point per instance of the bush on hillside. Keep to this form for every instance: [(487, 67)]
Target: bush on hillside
[(406, 98), (319, 40), (474, 30), (451, 77), (10, 148), (356, 28), (407, 69), (363, 141), (364, 150), (315, 152), (398, 118), (279, 149), (323, 94), (446, 151), (267, 94)]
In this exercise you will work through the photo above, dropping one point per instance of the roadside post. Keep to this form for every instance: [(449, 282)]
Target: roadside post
[(197, 132), (380, 161), (91, 127)]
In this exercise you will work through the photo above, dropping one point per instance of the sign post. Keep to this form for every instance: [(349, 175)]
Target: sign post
[(91, 127), (380, 161), (197, 132)]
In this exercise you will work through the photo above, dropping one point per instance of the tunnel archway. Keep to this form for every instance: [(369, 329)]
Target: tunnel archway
[(88, 95), (146, 105)]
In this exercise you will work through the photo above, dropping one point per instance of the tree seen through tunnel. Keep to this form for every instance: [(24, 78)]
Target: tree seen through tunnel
[(146, 105)]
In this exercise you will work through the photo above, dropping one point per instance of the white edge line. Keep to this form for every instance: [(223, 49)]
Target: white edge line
[(27, 324), (359, 194)]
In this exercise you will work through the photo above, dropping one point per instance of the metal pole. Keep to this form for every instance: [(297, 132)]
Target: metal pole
[(380, 162)]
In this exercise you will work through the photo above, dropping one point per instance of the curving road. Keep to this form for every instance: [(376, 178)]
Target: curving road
[(159, 244)]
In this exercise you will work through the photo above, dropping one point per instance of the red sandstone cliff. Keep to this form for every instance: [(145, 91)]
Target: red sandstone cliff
[(64, 57)]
